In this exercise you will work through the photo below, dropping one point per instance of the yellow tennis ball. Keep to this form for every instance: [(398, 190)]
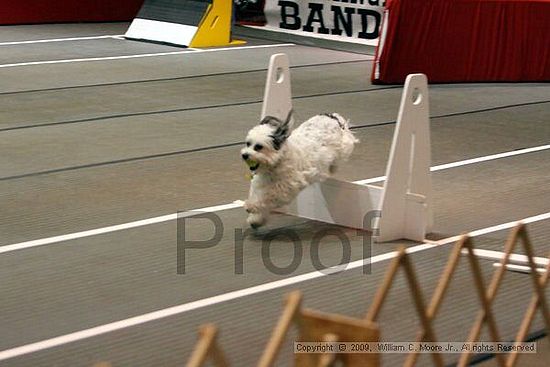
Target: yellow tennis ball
[(251, 163)]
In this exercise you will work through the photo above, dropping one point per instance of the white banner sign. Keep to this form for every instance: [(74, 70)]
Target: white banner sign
[(342, 20)]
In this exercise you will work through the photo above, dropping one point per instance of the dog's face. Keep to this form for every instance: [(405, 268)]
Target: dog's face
[(264, 143)]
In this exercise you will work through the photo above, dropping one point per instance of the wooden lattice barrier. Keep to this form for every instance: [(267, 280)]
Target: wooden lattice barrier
[(486, 295), (465, 243), (538, 300), (402, 261), (207, 348), (315, 326)]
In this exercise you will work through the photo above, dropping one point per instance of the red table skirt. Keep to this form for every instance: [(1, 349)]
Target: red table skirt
[(465, 41), (42, 11)]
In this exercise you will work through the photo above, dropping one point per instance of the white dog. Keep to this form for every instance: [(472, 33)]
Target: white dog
[(284, 163)]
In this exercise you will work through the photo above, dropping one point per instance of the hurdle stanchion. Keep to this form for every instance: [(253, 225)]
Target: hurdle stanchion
[(402, 261), (185, 23), (519, 233), (207, 348), (404, 202), (315, 326)]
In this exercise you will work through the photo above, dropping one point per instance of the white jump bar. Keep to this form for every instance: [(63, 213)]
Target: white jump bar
[(519, 268), (514, 258)]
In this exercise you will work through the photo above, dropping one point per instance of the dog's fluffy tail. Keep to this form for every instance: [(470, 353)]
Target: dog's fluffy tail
[(348, 142), (344, 124), (348, 139)]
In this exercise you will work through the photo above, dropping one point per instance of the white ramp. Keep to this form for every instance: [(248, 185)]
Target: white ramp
[(403, 205), (189, 23)]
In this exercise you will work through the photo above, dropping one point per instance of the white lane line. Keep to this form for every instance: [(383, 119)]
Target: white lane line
[(500, 227), (186, 307), (491, 157), (235, 204), (116, 36), (114, 228), (187, 51), (470, 161)]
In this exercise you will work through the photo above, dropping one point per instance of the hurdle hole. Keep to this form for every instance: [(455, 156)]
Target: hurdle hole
[(279, 75), (416, 96), (214, 21)]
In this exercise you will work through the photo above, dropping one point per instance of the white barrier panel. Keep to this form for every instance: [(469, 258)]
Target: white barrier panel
[(404, 203)]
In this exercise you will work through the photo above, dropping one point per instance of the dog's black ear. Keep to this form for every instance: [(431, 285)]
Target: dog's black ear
[(283, 131), (280, 135), (276, 122), (271, 120), (289, 119)]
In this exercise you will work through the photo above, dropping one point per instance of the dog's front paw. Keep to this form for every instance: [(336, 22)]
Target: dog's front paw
[(256, 220)]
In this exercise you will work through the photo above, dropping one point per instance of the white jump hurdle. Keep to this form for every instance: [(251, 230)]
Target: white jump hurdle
[(404, 203)]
